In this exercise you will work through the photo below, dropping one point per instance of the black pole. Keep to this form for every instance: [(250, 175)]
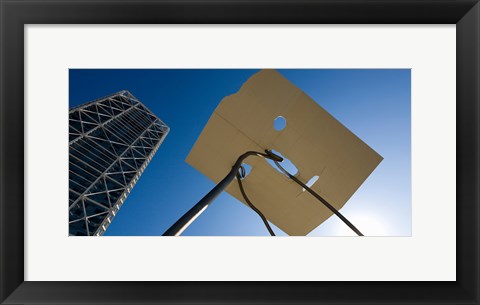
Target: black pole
[(178, 227)]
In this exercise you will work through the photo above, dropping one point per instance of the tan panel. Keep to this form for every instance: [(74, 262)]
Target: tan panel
[(313, 140)]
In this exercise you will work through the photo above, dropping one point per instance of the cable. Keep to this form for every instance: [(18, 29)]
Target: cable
[(240, 175), (183, 222), (320, 198)]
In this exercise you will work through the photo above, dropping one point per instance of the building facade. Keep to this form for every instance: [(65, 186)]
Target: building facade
[(111, 142)]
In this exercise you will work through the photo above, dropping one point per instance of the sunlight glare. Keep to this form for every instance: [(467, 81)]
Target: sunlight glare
[(367, 224)]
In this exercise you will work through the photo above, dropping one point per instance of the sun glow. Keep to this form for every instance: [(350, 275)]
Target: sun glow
[(367, 224)]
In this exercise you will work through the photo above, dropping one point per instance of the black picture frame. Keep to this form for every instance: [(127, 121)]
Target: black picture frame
[(15, 14)]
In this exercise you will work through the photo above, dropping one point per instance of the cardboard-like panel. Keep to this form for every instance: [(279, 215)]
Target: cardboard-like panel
[(313, 140)]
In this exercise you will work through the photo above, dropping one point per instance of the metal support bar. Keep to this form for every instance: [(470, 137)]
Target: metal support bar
[(320, 198), (178, 227)]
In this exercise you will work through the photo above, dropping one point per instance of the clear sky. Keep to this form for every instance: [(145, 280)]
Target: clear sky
[(374, 104)]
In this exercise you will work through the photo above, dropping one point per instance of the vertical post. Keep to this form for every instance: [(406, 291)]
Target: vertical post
[(178, 227)]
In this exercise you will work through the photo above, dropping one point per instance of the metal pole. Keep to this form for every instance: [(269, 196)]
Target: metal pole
[(178, 227)]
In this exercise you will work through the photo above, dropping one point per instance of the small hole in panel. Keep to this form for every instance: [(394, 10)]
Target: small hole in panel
[(311, 182), (247, 168), (286, 164), (279, 123)]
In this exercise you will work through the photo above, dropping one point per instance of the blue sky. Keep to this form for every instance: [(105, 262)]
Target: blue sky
[(374, 104)]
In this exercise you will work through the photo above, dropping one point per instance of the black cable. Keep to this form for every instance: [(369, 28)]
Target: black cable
[(240, 175), (320, 198)]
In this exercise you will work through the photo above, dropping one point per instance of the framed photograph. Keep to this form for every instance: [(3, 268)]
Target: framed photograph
[(239, 152)]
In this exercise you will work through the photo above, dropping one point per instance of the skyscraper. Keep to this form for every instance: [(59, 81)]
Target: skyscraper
[(111, 142)]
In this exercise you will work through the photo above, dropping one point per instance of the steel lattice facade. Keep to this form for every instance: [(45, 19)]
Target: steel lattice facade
[(111, 142)]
